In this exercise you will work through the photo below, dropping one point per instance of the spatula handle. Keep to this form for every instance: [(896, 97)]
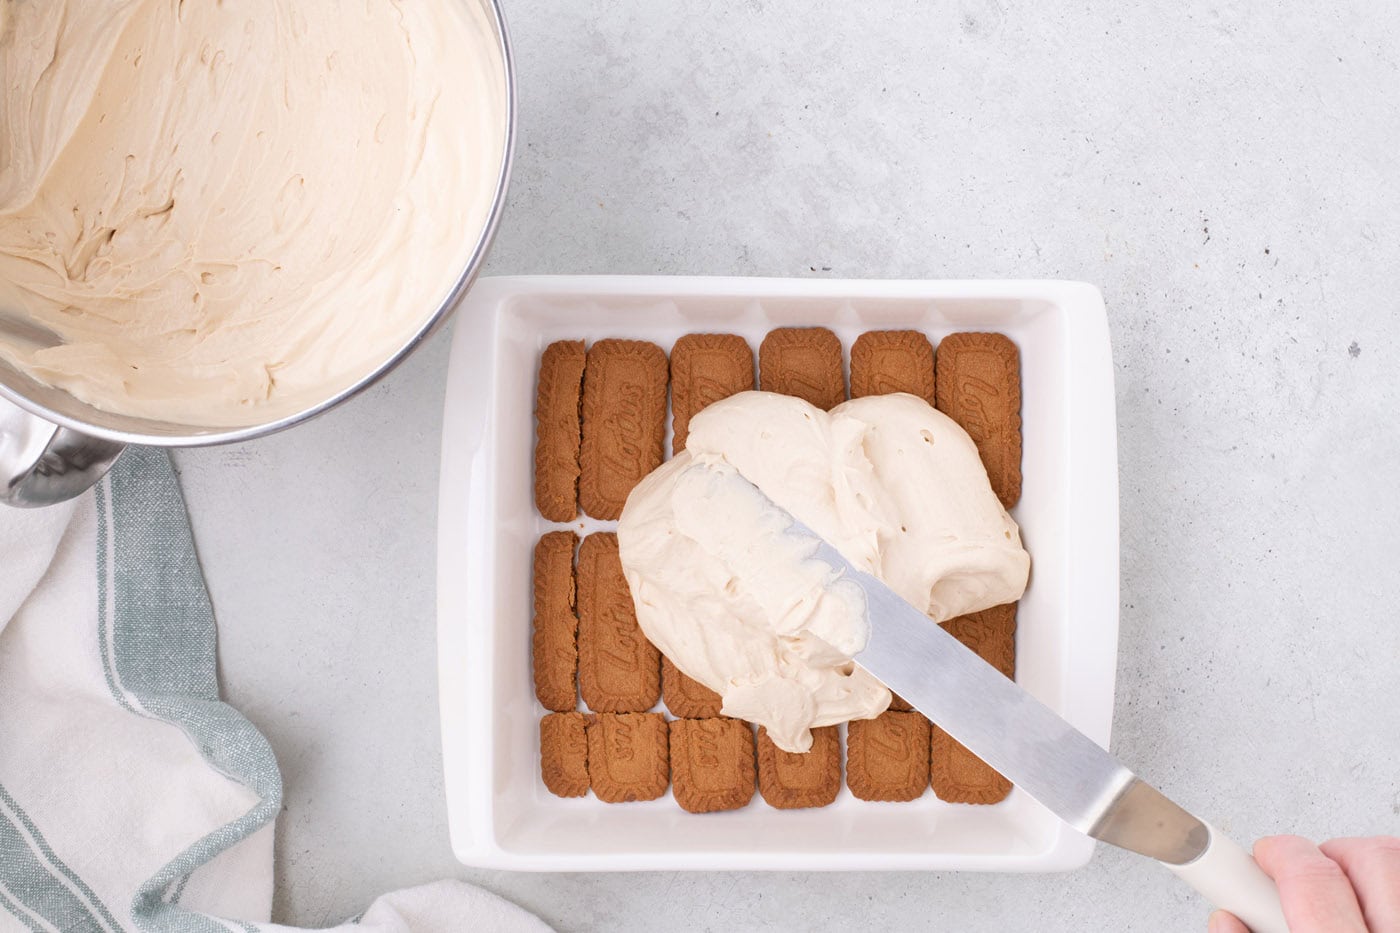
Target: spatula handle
[(1227, 876)]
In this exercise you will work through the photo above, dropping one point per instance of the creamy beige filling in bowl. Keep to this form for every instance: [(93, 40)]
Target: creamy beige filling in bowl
[(218, 220)]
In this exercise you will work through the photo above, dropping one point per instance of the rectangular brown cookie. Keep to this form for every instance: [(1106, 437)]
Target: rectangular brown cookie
[(887, 757), (805, 362), (991, 633), (564, 754), (885, 361), (712, 764), (686, 697), (704, 369), (554, 649), (957, 775), (624, 422), (899, 704), (791, 781), (557, 430), (628, 756), (619, 670), (979, 386)]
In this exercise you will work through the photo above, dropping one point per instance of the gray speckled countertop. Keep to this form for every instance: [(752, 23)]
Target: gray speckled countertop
[(1225, 171)]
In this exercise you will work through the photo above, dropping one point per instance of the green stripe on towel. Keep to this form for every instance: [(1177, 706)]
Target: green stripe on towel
[(25, 915), (37, 878), (104, 589), (163, 644)]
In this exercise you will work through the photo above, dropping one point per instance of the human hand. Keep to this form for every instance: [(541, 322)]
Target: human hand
[(1342, 886)]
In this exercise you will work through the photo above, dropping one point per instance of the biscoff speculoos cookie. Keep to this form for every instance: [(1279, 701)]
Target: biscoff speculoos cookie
[(564, 754), (686, 697), (628, 756), (793, 781), (712, 764), (554, 649), (991, 633), (956, 774), (885, 361), (619, 669), (959, 776), (624, 422), (704, 369), (805, 362), (557, 430), (978, 383), (887, 757)]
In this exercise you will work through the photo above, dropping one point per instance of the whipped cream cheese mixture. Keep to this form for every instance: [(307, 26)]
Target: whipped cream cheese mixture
[(230, 211), (896, 486)]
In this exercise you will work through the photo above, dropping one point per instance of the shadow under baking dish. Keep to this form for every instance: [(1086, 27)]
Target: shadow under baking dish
[(502, 816)]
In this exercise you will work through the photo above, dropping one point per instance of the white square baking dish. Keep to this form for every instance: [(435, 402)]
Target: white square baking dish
[(501, 815)]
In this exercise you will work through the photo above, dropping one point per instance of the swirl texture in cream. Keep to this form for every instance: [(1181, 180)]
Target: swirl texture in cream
[(229, 212), (733, 599)]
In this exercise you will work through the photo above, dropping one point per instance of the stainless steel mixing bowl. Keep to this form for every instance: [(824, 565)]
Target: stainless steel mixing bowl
[(54, 446)]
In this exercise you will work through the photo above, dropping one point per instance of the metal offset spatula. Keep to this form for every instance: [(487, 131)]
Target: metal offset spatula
[(1041, 753)]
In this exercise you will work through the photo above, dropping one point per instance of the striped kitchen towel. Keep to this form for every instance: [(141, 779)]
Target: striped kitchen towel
[(131, 797)]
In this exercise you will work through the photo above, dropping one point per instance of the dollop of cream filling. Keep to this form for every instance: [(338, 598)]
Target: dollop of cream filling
[(227, 212), (740, 605)]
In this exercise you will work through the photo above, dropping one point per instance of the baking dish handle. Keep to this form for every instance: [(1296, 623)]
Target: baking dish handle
[(43, 464)]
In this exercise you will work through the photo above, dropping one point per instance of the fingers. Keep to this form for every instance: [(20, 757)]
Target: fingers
[(1316, 895), (1373, 865), (1223, 922)]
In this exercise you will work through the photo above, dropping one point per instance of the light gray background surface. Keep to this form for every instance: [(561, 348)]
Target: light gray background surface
[(1225, 171)]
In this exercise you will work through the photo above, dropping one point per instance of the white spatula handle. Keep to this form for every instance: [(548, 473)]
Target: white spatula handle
[(1227, 876)]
